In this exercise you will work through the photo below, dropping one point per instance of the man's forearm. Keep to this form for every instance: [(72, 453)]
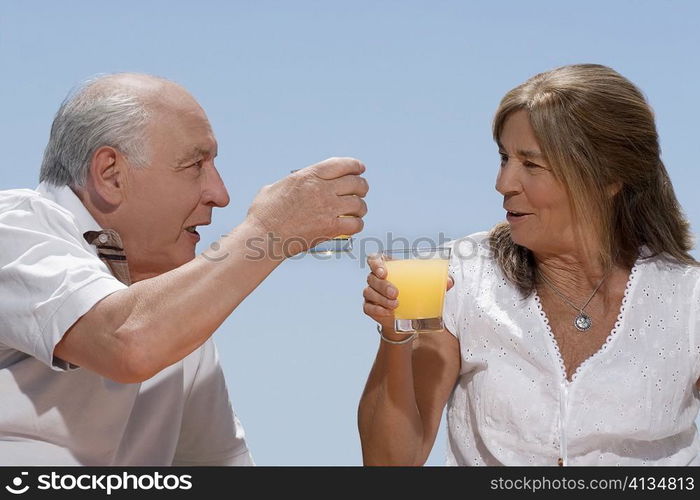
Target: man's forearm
[(133, 334)]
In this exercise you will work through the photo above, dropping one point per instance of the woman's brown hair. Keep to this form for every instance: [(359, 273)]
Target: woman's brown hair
[(597, 133)]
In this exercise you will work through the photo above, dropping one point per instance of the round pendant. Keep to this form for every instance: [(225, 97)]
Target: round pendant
[(583, 322)]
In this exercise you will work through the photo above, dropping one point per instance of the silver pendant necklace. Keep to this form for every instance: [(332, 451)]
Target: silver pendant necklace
[(582, 321)]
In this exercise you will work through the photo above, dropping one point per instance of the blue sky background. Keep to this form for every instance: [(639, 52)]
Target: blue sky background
[(409, 87)]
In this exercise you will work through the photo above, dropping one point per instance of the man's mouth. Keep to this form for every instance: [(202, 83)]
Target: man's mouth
[(193, 229)]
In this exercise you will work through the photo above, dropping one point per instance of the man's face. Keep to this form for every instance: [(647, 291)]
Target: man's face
[(165, 201)]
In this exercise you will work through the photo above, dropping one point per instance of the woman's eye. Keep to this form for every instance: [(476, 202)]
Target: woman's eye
[(504, 158), (529, 164)]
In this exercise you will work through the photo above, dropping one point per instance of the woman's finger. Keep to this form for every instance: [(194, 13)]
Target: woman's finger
[(376, 265), (374, 297), (377, 312), (382, 286)]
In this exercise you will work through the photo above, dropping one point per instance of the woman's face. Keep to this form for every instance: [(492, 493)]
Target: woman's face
[(536, 203)]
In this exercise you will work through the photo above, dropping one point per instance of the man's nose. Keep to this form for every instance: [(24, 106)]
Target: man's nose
[(215, 193)]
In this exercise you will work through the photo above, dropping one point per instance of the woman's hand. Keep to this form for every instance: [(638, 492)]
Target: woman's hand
[(381, 297), (409, 384)]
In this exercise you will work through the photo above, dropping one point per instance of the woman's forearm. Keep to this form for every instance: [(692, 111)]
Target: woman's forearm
[(407, 390), (391, 429)]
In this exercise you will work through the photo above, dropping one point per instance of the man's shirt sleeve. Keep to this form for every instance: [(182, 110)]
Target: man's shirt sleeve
[(48, 277)]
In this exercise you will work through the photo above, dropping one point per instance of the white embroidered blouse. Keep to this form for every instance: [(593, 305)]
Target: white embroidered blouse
[(634, 402)]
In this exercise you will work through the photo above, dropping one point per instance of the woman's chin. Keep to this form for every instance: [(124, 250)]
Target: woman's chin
[(518, 237)]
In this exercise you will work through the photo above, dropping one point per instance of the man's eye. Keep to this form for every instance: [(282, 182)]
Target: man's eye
[(198, 164)]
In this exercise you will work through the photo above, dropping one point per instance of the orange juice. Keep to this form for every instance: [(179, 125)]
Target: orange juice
[(421, 284), (343, 236)]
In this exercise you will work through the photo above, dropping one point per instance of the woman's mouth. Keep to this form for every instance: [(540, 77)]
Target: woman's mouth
[(512, 216)]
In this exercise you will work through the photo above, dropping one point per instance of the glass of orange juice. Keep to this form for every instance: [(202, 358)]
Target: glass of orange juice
[(420, 276)]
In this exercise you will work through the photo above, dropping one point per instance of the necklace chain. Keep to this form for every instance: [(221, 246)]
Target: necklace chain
[(582, 322)]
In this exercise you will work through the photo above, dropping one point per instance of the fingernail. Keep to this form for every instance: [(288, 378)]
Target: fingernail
[(391, 291), (380, 270), (395, 303)]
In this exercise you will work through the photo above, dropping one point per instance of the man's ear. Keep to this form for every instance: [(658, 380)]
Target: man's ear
[(108, 175)]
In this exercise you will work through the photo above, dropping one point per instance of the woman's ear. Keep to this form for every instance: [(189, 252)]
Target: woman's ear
[(614, 188)]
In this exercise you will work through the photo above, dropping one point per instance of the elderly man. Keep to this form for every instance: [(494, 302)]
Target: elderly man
[(106, 314)]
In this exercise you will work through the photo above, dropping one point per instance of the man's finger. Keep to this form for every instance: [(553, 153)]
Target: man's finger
[(332, 168), (351, 184), (352, 205), (349, 225)]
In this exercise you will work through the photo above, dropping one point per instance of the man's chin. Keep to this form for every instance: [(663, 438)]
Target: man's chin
[(184, 258), (141, 269)]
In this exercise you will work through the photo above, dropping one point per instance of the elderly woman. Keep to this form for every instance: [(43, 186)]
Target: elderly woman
[(573, 332)]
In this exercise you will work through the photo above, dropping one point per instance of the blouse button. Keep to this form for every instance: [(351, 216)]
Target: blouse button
[(560, 462)]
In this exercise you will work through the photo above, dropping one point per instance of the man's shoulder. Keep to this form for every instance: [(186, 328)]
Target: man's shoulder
[(26, 213), (12, 198), (30, 201)]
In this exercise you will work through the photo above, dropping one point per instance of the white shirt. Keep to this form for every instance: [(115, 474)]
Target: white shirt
[(634, 402), (54, 414)]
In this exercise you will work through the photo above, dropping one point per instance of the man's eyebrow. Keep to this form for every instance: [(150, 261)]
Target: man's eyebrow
[(195, 153)]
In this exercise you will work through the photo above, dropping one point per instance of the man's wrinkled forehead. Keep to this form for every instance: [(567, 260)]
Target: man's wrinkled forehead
[(181, 127)]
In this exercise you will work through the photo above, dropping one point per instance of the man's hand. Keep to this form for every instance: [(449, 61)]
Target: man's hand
[(307, 207)]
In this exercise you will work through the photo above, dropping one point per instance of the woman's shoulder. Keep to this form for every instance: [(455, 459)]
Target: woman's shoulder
[(472, 257), (662, 272), (473, 245), (662, 264)]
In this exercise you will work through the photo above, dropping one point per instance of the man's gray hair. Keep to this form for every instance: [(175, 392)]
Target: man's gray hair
[(93, 116)]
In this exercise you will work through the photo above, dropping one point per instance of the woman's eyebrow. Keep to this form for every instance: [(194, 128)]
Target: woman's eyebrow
[(527, 153), (530, 153)]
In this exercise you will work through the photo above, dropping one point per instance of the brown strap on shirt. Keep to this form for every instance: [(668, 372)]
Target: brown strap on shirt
[(110, 250)]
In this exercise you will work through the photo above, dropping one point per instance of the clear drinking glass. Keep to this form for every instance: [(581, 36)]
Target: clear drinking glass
[(341, 243), (420, 276)]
